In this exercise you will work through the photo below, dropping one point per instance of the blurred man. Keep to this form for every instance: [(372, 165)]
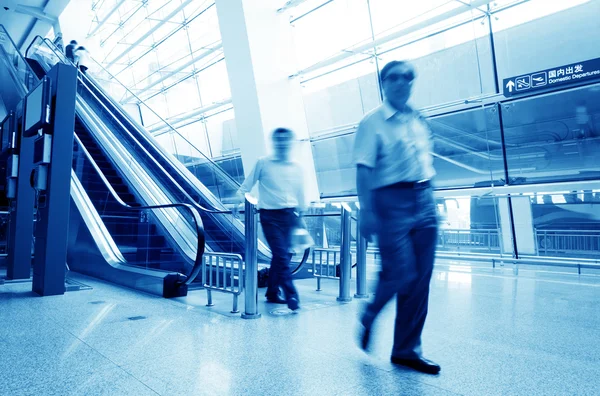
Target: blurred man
[(394, 169), (281, 203)]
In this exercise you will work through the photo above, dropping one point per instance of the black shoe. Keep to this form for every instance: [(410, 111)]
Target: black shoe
[(365, 337), (293, 303), (418, 364), (276, 300)]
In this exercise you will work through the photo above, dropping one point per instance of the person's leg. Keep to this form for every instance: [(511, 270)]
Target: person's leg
[(288, 222), (394, 210), (273, 235), (412, 305)]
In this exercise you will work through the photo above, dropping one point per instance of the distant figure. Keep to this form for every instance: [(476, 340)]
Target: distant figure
[(82, 59), (58, 41), (281, 204), (392, 152), (70, 51), (547, 199)]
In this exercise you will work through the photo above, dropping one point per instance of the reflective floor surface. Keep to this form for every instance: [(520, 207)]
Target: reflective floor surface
[(494, 333)]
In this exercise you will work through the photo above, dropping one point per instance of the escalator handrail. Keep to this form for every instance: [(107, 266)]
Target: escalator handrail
[(192, 210), (85, 80), (29, 69), (82, 76), (151, 157), (125, 115)]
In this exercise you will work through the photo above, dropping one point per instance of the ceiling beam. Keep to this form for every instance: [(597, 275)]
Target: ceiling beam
[(392, 36), (36, 12), (148, 33), (106, 17), (171, 73)]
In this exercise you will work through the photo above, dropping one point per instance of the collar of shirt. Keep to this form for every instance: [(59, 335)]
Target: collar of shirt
[(388, 111)]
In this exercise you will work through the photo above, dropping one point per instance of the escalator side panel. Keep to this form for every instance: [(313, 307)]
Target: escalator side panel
[(84, 256)]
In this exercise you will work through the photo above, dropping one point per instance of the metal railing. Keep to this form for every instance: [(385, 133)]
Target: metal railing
[(224, 273), (476, 240), (336, 263), (558, 242), (325, 263)]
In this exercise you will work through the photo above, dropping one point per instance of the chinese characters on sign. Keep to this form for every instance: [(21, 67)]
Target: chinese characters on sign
[(569, 74)]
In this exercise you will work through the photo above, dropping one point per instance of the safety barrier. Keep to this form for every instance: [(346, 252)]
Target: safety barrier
[(223, 272), (559, 242), (476, 240), (325, 262)]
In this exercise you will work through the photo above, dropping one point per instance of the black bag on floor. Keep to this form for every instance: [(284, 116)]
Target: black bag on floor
[(263, 277)]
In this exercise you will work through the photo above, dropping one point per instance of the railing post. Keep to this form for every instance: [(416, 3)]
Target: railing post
[(346, 256), (361, 261), (251, 270)]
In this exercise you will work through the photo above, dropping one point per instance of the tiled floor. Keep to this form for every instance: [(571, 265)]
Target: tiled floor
[(492, 332)]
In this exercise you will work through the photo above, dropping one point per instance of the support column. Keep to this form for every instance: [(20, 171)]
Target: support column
[(20, 230), (258, 47), (53, 203)]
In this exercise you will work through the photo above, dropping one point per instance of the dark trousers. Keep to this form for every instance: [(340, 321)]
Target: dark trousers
[(407, 238), (277, 226)]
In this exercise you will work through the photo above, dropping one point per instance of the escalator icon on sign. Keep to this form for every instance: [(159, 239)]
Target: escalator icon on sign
[(523, 83)]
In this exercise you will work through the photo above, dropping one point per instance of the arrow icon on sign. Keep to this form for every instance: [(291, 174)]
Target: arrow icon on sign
[(510, 85)]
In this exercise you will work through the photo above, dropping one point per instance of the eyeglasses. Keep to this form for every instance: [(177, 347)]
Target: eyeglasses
[(395, 77)]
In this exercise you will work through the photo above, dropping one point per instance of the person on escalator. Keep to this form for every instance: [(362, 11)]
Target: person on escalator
[(82, 59), (392, 152), (281, 203), (70, 51)]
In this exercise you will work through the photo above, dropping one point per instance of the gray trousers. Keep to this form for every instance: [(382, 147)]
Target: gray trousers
[(407, 236)]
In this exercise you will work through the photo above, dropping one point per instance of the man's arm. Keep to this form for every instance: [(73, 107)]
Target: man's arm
[(363, 188), (365, 156), (250, 181)]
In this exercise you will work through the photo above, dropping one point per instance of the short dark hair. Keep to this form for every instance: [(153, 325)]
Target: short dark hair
[(389, 66), (278, 133), (73, 42)]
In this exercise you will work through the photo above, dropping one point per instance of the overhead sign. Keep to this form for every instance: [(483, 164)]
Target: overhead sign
[(569, 74)]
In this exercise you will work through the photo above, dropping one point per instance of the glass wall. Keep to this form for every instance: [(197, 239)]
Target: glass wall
[(461, 54), (169, 56)]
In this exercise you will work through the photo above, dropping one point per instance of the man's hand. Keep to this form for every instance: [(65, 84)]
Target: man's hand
[(368, 225), (301, 223)]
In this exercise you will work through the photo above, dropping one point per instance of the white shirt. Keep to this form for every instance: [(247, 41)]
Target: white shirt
[(281, 184), (82, 58), (396, 146)]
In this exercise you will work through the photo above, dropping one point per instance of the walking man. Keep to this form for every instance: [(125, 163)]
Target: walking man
[(394, 169), (281, 203)]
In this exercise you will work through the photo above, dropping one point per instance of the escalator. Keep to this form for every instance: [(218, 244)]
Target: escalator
[(112, 231), (223, 232), (138, 241)]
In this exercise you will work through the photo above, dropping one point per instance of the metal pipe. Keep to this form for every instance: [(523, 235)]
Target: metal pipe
[(148, 33), (346, 257), (106, 17), (361, 262), (251, 271), (171, 73), (402, 32)]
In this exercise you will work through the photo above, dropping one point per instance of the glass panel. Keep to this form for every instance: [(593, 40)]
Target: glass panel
[(468, 148), (328, 31), (17, 64), (555, 137), (336, 173), (570, 35), (389, 16), (459, 60), (339, 100)]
